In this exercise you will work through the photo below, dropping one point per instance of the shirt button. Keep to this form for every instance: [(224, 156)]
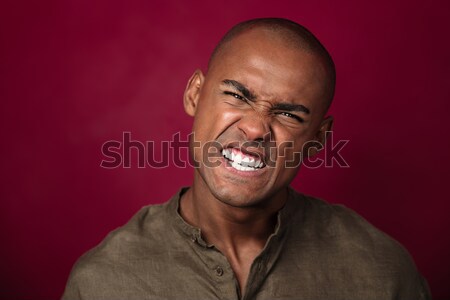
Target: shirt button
[(193, 239), (219, 271)]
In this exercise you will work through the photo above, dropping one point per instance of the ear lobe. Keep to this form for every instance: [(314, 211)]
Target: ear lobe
[(192, 92)]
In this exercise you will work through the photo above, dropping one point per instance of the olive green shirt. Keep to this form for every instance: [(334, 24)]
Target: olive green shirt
[(317, 251)]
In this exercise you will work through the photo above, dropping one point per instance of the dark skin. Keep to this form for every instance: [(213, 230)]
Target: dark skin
[(237, 210)]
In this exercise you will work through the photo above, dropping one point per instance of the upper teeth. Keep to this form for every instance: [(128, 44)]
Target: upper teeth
[(239, 158)]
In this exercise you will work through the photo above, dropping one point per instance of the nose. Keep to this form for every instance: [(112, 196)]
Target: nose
[(254, 126)]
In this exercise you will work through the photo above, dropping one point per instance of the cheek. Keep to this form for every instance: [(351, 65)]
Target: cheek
[(211, 124), (289, 147), (228, 117), (214, 120)]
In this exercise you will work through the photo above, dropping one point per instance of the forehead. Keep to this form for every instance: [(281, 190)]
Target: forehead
[(270, 65)]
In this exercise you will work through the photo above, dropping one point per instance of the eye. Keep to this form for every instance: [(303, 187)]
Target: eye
[(237, 96), (291, 116)]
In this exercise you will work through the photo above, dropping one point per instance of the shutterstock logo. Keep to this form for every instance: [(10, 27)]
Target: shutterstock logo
[(174, 152)]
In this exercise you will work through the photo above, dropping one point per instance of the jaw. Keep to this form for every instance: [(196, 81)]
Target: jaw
[(237, 188)]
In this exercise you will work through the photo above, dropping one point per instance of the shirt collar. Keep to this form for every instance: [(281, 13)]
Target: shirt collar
[(284, 216)]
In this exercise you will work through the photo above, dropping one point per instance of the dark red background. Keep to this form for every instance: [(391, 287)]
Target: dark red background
[(75, 74)]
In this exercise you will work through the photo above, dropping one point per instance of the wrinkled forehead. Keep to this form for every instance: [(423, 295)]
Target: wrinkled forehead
[(280, 49), (270, 64)]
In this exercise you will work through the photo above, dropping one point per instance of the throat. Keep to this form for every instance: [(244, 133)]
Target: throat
[(240, 234)]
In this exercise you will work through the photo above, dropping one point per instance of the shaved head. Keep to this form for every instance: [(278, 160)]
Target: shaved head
[(286, 33)]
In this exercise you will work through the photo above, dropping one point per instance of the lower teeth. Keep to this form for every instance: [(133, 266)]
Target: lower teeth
[(241, 168)]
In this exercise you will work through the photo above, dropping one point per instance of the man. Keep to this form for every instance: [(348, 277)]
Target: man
[(240, 232)]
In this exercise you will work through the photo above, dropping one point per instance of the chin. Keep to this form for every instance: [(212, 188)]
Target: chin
[(239, 198)]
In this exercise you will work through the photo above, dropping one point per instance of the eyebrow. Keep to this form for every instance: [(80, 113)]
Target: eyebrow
[(250, 96), (241, 88), (291, 107)]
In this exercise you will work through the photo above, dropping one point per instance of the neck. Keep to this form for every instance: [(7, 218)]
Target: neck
[(240, 233), (230, 227)]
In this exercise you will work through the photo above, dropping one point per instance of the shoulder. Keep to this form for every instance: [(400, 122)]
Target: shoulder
[(108, 268), (343, 239), (339, 224), (148, 228)]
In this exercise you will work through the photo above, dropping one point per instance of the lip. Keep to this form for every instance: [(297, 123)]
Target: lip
[(255, 152)]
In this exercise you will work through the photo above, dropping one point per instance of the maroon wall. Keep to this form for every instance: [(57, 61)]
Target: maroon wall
[(75, 74)]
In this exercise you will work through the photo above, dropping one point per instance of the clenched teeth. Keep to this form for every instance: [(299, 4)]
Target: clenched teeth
[(241, 161)]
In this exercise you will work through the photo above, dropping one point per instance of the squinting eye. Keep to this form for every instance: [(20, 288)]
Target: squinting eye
[(239, 97), (292, 116)]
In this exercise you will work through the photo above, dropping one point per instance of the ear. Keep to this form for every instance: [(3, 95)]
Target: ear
[(325, 126), (321, 137), (192, 92)]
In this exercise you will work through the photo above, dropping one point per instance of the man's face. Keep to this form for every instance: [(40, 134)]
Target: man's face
[(258, 93)]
